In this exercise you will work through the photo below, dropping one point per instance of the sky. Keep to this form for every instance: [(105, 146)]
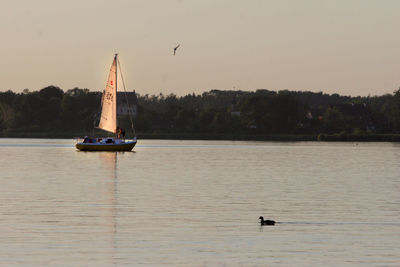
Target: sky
[(349, 47)]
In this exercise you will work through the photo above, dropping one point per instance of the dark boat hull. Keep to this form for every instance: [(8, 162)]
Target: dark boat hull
[(126, 146)]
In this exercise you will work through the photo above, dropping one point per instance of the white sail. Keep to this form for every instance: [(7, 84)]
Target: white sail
[(108, 119)]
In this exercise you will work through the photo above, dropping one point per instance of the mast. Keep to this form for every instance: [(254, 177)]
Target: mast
[(116, 91), (116, 71)]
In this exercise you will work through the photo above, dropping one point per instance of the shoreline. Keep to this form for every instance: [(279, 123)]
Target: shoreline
[(341, 137)]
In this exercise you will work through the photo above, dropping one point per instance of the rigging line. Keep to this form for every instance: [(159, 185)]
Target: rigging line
[(126, 98)]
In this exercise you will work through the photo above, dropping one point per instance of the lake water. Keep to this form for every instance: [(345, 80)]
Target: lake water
[(197, 203)]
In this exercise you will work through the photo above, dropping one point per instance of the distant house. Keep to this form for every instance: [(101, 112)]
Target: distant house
[(124, 107)]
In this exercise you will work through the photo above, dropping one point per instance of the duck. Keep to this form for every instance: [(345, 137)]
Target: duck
[(266, 222)]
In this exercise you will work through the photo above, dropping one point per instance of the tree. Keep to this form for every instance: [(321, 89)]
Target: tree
[(396, 110), (80, 109), (50, 106), (334, 121), (7, 117)]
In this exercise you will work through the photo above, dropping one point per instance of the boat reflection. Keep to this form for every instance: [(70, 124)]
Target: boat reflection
[(109, 210)]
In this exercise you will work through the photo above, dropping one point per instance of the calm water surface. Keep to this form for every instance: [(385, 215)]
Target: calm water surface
[(196, 203)]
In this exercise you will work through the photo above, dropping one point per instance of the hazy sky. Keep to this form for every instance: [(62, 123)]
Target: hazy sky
[(350, 47)]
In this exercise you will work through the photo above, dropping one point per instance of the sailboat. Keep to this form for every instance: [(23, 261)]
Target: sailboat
[(108, 120)]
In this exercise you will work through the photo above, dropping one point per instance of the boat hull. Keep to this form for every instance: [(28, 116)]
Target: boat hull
[(127, 146)]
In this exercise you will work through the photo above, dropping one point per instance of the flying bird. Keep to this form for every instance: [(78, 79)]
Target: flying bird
[(176, 48)]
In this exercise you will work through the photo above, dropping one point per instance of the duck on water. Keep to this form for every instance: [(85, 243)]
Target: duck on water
[(266, 222)]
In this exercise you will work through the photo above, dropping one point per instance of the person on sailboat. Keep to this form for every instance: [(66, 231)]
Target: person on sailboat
[(121, 132)]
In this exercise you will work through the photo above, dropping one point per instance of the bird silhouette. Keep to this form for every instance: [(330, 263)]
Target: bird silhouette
[(176, 48), (266, 222)]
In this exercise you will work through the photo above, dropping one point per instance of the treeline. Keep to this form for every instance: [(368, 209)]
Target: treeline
[(260, 114), (48, 111)]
